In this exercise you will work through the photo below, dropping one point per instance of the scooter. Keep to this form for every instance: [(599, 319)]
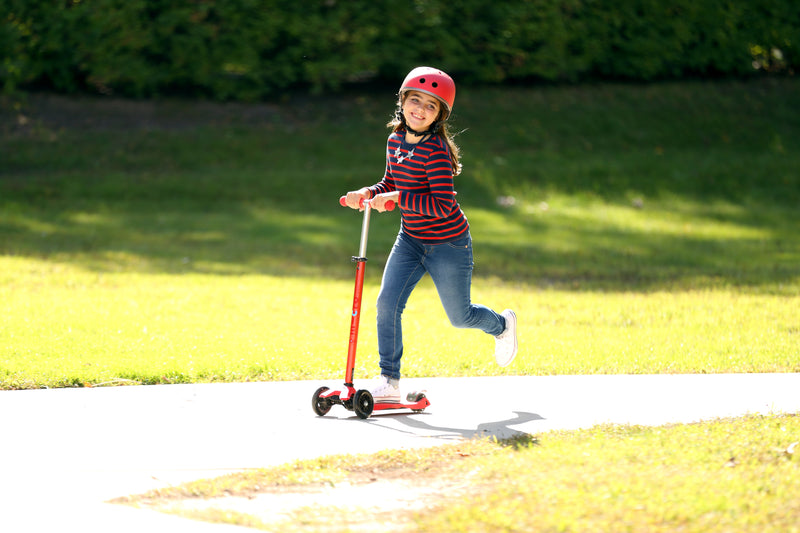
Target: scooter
[(361, 401)]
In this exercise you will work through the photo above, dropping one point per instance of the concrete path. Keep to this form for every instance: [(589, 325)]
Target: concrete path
[(65, 452)]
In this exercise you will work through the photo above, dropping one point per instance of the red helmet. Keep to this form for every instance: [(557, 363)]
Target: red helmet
[(434, 82)]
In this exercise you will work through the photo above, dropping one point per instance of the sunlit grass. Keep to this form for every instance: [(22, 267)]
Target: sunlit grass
[(629, 236), (722, 475), (65, 326), (730, 475)]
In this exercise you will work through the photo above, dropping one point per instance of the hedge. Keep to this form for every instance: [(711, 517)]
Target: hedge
[(256, 49)]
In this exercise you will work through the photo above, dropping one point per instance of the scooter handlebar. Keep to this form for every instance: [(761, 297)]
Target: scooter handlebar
[(388, 206)]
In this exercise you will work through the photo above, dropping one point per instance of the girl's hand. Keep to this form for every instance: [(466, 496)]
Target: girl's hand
[(379, 202), (353, 199)]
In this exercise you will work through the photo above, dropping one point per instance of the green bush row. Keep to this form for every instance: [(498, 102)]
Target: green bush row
[(254, 49)]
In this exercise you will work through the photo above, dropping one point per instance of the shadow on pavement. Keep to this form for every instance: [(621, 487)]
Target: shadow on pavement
[(501, 429)]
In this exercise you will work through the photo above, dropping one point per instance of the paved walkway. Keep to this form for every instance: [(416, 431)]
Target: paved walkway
[(64, 452)]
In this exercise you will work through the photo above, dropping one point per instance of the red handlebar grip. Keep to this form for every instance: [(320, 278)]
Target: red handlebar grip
[(389, 205), (343, 201)]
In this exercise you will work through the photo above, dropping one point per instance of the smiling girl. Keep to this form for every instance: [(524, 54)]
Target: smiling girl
[(434, 238)]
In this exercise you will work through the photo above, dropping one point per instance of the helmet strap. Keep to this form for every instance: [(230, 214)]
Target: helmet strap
[(430, 131)]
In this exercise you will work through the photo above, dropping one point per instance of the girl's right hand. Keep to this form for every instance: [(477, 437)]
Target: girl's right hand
[(353, 199)]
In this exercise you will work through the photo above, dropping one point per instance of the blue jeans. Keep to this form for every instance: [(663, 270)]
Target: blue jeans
[(450, 266)]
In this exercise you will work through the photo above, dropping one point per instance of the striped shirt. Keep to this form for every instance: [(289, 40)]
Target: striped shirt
[(423, 174)]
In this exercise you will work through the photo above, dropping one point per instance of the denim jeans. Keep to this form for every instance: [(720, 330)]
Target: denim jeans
[(450, 266)]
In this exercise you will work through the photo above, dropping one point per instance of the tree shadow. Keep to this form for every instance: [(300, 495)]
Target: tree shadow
[(233, 240), (714, 247), (130, 204), (269, 239)]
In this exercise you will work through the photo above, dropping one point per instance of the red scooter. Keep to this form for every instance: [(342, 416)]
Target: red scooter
[(360, 401)]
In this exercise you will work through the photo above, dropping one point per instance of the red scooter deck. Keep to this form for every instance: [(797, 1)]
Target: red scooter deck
[(361, 401)]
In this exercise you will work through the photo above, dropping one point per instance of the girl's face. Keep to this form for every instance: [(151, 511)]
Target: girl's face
[(420, 110)]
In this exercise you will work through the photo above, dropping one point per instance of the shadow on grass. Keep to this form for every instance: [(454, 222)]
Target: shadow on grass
[(752, 247), (557, 250), (253, 190), (264, 240)]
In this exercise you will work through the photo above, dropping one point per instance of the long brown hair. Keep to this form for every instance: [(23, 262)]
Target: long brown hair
[(397, 123)]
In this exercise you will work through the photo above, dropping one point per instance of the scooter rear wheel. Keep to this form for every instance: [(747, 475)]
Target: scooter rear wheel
[(363, 403), (415, 396), (321, 406)]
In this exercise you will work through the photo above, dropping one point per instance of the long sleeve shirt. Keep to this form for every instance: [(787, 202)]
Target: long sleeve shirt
[(423, 174)]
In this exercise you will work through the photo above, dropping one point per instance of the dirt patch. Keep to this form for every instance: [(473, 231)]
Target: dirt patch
[(360, 503), (346, 506), (56, 112), (46, 113), (387, 491)]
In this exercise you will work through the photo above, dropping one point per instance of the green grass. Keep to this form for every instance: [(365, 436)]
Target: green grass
[(653, 229), (64, 326), (723, 475)]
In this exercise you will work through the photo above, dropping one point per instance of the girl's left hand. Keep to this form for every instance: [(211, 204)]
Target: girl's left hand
[(378, 203)]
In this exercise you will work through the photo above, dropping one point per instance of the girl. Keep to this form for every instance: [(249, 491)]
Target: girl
[(421, 160)]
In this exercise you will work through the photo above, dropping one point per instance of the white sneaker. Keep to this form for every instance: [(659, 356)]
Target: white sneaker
[(385, 391), (505, 348)]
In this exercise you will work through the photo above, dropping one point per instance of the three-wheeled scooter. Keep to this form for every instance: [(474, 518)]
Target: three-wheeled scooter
[(361, 400)]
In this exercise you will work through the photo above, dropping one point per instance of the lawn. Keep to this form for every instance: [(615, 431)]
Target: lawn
[(634, 229)]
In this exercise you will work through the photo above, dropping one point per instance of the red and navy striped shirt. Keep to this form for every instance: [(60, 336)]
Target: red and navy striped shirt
[(423, 174)]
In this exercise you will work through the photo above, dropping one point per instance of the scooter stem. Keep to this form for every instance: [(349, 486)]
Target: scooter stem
[(361, 261), (362, 249)]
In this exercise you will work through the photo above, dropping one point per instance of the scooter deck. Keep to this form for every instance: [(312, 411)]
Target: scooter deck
[(416, 401)]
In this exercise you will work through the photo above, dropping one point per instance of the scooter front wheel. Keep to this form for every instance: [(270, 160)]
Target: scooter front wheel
[(363, 403), (321, 406)]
